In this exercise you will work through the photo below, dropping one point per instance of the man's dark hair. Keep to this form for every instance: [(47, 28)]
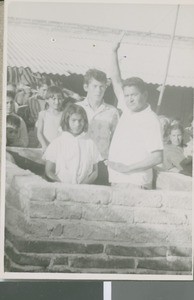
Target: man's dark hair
[(137, 82), (13, 121), (95, 74), (11, 94)]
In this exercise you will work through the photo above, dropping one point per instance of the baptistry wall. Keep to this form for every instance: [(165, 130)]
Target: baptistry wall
[(51, 227)]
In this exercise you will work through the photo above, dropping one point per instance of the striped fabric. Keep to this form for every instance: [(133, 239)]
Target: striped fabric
[(35, 108)]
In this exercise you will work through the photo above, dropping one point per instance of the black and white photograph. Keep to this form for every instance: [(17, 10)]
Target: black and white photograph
[(97, 141)]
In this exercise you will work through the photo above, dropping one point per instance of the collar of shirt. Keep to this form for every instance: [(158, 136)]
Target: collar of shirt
[(68, 134), (89, 109), (138, 113)]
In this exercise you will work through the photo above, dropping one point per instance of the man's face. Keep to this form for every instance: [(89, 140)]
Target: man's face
[(42, 91), (27, 90), (135, 100), (9, 105), (95, 90), (11, 134), (11, 87)]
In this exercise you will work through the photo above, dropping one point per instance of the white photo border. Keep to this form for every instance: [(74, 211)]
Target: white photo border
[(62, 276)]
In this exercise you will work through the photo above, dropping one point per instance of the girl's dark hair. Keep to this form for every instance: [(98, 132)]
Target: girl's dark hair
[(13, 121), (52, 90), (71, 109), (175, 127)]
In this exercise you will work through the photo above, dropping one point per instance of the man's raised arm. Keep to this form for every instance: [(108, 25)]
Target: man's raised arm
[(115, 69)]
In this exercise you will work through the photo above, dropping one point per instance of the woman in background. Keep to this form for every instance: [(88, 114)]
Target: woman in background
[(175, 159)]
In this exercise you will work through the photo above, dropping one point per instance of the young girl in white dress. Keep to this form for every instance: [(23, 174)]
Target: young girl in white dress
[(72, 157), (48, 123)]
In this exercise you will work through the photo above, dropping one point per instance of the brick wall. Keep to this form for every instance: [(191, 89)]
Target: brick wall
[(94, 229)]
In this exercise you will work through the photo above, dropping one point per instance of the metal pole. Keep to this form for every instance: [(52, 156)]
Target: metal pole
[(168, 62)]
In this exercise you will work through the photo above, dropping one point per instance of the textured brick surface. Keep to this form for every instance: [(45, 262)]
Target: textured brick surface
[(140, 234), (34, 187), (98, 231), (52, 246), (60, 260), (84, 194), (163, 264), (135, 251), (178, 251), (67, 228), (27, 259), (111, 214), (162, 216), (137, 199), (111, 263)]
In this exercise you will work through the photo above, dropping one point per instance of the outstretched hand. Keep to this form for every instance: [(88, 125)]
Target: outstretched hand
[(117, 42), (119, 167)]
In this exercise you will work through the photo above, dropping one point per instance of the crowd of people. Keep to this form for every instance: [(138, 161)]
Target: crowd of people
[(91, 141)]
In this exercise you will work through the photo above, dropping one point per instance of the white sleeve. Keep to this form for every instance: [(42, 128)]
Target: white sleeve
[(152, 136), (41, 115), (51, 152), (121, 102)]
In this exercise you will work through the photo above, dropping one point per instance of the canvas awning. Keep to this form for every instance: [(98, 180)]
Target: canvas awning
[(76, 48)]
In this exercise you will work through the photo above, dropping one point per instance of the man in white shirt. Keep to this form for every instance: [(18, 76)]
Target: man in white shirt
[(103, 118), (137, 144)]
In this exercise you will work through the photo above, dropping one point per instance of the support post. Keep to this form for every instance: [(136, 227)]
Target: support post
[(168, 62)]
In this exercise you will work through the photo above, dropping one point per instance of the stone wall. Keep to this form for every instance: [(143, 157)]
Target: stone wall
[(51, 227)]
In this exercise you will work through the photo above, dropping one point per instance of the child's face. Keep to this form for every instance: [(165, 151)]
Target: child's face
[(76, 124), (9, 105), (11, 134), (176, 137), (95, 90), (55, 102), (135, 100)]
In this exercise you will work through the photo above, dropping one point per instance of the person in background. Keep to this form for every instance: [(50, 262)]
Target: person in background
[(175, 121), (48, 124), (72, 157), (12, 88), (37, 103), (102, 117), (23, 94), (188, 131), (188, 138), (23, 138), (175, 158), (12, 130), (165, 123), (28, 92), (19, 98), (137, 144)]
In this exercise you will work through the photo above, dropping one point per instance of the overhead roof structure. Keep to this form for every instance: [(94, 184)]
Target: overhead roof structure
[(62, 48)]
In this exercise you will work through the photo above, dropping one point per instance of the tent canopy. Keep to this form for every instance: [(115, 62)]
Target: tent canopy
[(63, 49)]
